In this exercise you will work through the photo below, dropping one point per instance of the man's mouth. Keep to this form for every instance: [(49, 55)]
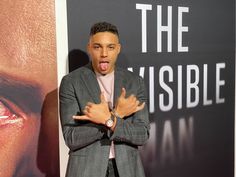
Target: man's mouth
[(103, 65)]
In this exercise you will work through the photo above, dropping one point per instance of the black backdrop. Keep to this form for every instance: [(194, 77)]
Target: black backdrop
[(190, 84)]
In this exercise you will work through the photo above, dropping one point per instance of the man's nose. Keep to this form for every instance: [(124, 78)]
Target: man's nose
[(104, 52)]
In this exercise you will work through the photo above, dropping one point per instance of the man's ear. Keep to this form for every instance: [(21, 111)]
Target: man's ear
[(88, 48), (119, 48)]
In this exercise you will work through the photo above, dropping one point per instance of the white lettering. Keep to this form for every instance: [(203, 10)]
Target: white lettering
[(169, 105), (144, 8), (151, 90), (185, 138), (205, 83), (161, 28), (219, 82), (192, 86), (180, 87), (181, 29), (167, 144)]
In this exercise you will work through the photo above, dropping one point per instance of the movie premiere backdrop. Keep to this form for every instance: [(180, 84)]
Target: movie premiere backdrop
[(185, 52)]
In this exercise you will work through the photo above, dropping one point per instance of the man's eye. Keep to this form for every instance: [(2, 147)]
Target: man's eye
[(7, 116), (96, 47), (111, 47)]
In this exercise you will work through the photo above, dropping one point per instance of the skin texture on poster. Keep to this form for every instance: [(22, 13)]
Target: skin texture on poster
[(28, 95)]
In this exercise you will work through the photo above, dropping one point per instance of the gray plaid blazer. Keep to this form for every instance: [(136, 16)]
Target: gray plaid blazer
[(89, 143)]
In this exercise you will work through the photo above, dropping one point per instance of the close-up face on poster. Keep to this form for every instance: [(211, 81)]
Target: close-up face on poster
[(185, 53), (28, 84)]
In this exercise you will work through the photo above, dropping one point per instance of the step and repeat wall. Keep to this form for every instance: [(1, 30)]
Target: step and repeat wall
[(185, 52)]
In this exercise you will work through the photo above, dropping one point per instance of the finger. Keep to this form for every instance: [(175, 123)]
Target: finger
[(83, 117), (102, 98), (89, 104), (123, 92), (86, 109), (140, 107), (137, 103), (132, 99)]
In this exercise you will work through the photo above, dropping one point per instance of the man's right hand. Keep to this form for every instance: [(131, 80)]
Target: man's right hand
[(96, 113)]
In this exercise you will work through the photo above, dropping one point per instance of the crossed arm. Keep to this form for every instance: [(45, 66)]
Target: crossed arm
[(131, 126), (100, 113)]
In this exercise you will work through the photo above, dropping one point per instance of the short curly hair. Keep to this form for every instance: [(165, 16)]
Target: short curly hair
[(103, 27)]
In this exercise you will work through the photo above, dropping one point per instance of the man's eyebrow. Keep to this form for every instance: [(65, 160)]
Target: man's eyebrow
[(97, 44), (110, 44), (26, 96)]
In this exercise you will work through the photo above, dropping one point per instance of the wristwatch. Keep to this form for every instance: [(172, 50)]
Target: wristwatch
[(110, 122)]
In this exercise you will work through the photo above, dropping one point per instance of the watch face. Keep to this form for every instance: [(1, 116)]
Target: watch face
[(109, 123)]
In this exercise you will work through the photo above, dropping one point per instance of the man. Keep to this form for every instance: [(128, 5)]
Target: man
[(28, 96), (103, 113)]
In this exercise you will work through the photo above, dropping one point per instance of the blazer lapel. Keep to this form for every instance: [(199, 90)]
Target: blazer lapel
[(91, 84)]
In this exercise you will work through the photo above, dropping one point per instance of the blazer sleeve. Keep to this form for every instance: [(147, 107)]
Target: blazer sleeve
[(77, 134), (134, 129)]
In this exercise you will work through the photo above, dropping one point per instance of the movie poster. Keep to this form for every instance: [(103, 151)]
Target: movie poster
[(28, 90)]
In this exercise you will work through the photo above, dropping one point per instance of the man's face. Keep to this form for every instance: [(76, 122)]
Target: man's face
[(103, 49)]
